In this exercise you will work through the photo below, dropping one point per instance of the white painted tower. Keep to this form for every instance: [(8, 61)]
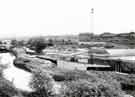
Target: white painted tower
[(92, 21)]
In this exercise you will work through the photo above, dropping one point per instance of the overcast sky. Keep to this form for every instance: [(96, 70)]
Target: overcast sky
[(56, 17)]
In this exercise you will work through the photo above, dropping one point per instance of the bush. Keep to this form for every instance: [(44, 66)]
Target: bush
[(38, 44), (85, 88), (128, 67), (6, 88), (89, 84)]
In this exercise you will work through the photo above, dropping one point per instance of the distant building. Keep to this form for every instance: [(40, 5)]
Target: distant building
[(132, 34), (126, 38), (127, 35), (123, 35), (5, 44), (107, 35), (85, 37)]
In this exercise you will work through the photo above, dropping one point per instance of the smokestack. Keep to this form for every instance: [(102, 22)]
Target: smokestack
[(92, 21)]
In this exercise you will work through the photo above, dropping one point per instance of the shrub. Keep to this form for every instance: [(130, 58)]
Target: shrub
[(38, 44), (85, 88)]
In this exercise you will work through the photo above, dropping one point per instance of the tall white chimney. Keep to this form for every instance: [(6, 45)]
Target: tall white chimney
[(92, 21)]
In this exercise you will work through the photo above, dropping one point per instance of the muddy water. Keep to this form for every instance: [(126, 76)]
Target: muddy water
[(18, 77)]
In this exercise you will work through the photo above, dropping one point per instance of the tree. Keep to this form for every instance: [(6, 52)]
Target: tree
[(50, 42), (21, 43), (40, 45), (37, 44), (14, 43)]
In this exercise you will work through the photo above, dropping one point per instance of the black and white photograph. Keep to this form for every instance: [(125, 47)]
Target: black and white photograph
[(67, 48)]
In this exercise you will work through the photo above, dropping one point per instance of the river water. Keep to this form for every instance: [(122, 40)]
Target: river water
[(18, 77)]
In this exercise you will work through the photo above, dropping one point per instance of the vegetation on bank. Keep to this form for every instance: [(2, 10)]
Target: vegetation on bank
[(75, 83)]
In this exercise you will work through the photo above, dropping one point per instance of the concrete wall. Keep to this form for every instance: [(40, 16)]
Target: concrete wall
[(121, 52)]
